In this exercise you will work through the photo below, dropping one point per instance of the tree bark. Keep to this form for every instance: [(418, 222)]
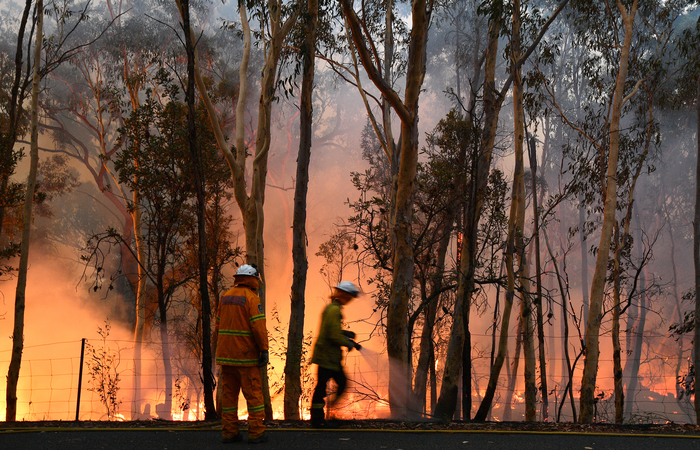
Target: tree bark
[(492, 106), (518, 228), (513, 375), (696, 256), (202, 259), (538, 275), (292, 367), (141, 294), (251, 205), (165, 350), (402, 211), (590, 368), (20, 293), (617, 362), (565, 338), (636, 322)]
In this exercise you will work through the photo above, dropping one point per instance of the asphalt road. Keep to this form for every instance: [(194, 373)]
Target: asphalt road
[(36, 439)]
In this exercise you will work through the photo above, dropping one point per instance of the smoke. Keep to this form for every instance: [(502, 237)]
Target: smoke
[(57, 317)]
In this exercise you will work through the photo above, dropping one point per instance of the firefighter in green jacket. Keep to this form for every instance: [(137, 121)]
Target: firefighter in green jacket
[(328, 353)]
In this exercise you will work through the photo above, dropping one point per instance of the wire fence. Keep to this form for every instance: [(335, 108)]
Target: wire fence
[(50, 387)]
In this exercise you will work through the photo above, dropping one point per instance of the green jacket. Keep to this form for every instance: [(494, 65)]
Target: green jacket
[(327, 352)]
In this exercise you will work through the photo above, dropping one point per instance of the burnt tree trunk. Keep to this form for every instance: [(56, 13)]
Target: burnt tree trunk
[(295, 337)]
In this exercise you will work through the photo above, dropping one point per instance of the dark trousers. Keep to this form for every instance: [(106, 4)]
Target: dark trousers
[(317, 401)]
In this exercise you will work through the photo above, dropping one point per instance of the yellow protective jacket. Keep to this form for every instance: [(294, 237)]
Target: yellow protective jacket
[(327, 350), (240, 327)]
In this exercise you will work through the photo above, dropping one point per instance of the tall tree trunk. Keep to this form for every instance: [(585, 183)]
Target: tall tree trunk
[(141, 299), (569, 370), (584, 261), (590, 368), (447, 402), (538, 280), (251, 205), (518, 226), (696, 256), (292, 367), (467, 366), (630, 369), (680, 341), (433, 381), (141, 294), (513, 375), (196, 156), (20, 293), (617, 362), (426, 356), (492, 107), (167, 363), (468, 250), (402, 210)]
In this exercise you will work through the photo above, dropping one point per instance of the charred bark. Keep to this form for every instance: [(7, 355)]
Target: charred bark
[(20, 293), (292, 367), (202, 259), (696, 256)]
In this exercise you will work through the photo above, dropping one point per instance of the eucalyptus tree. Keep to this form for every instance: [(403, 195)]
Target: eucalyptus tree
[(641, 152), (457, 139), (196, 158), (590, 369), (64, 18), (492, 102), (276, 21), (441, 183), (689, 93), (516, 222), (295, 337), (618, 41), (16, 83), (155, 154), (92, 98), (404, 160), (18, 329)]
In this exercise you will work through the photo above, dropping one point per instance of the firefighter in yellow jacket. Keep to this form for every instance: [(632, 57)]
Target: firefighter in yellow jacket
[(328, 353), (241, 350)]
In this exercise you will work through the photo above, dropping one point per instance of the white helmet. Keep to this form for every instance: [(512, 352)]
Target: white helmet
[(349, 287), (248, 270)]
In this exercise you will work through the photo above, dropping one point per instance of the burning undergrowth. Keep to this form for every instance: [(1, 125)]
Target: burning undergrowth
[(378, 425)]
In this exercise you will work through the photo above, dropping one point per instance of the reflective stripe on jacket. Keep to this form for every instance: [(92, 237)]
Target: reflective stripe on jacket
[(240, 328), (327, 350)]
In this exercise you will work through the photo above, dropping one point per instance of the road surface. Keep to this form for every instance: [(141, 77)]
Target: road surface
[(299, 439)]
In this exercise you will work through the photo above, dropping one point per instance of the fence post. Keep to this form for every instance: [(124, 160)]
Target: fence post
[(80, 380)]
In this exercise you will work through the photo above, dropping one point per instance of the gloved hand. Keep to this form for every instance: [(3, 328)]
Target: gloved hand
[(355, 345), (264, 359), (349, 334)]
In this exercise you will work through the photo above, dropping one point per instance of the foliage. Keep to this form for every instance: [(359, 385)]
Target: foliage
[(103, 368), (277, 333), (366, 236), (54, 179), (339, 252), (687, 325)]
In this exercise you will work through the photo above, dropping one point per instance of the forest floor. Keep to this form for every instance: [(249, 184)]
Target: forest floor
[(498, 427)]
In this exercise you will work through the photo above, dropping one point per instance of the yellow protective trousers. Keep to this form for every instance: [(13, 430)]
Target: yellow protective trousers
[(233, 380)]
